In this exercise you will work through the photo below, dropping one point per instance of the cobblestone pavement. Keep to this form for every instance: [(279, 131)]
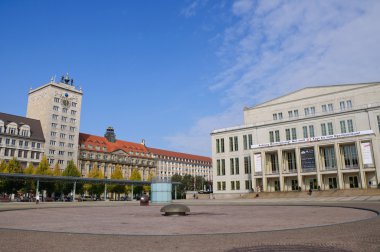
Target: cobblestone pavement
[(362, 235)]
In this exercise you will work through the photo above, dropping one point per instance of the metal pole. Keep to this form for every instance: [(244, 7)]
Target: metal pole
[(75, 185), (175, 192), (105, 191), (38, 187), (132, 191)]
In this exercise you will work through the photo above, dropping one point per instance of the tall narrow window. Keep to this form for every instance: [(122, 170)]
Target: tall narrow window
[(245, 142), (237, 171), (223, 167), (304, 129), (330, 128), (312, 110), (287, 134), (311, 131), (280, 115), (218, 167), (342, 105), (274, 116), (307, 112), (232, 167), (378, 122), (296, 113), (222, 145), (324, 108), (330, 106), (350, 126), (290, 114), (277, 135), (250, 142), (231, 144), (350, 156), (236, 143), (343, 127), (294, 134), (217, 146), (349, 104), (271, 137), (323, 129)]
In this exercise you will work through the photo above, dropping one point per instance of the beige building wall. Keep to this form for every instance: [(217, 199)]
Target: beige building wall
[(53, 104), (324, 106)]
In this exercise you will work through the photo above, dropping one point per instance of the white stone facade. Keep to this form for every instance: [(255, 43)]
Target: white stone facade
[(58, 107), (315, 138)]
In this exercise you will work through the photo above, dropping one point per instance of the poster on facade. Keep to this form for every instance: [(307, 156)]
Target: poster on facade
[(307, 158), (258, 162), (367, 153)]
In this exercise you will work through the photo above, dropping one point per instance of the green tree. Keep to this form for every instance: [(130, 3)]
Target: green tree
[(12, 186), (117, 174), (135, 176), (57, 170), (29, 185), (3, 165), (147, 188), (43, 167), (13, 166), (71, 170), (94, 189), (180, 188)]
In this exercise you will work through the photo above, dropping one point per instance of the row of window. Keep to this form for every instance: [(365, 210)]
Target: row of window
[(61, 144), (65, 110), (21, 143), (63, 127), (57, 100), (234, 166), (310, 111), (162, 157), (235, 185), (13, 130), (61, 135), (21, 153), (346, 126), (61, 153), (63, 118)]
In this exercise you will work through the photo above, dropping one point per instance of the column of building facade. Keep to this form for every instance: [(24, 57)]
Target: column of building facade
[(339, 166), (361, 166), (299, 167), (264, 170), (318, 165), (280, 167)]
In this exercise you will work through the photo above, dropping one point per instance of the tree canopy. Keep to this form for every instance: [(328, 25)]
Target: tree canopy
[(43, 167)]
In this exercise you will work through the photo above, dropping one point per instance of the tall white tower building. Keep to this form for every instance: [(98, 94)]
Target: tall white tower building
[(58, 106)]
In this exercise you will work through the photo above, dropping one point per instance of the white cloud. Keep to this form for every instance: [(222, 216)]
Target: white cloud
[(279, 46)]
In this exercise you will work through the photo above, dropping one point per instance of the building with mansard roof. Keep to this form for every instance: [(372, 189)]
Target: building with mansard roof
[(325, 138), (107, 152), (22, 138)]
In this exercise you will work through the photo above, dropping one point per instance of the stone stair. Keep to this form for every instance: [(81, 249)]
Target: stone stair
[(305, 194)]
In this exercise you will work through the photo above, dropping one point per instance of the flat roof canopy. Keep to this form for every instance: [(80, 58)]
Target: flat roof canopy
[(45, 178)]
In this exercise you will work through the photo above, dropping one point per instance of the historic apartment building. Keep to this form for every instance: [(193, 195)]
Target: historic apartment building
[(324, 138), (107, 152), (22, 138), (58, 107), (170, 163)]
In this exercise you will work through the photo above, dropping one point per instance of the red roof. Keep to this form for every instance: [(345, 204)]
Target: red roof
[(101, 142), (180, 155)]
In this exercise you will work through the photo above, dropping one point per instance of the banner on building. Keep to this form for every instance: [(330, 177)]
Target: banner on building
[(307, 158), (367, 153), (258, 162)]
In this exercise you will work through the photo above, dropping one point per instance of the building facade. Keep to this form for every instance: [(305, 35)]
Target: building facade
[(58, 107), (107, 152), (170, 163), (22, 138), (315, 138)]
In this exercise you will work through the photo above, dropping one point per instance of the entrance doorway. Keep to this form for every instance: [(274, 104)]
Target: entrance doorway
[(354, 182), (332, 183), (276, 185), (294, 184), (312, 182)]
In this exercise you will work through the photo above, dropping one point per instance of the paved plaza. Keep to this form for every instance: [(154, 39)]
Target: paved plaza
[(345, 224)]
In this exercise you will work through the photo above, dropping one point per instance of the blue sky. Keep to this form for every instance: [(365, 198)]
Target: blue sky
[(172, 71)]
